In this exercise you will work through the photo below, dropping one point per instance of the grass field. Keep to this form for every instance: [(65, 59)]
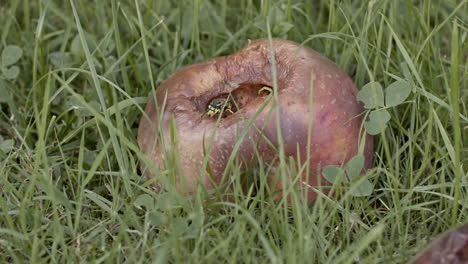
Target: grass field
[(73, 86)]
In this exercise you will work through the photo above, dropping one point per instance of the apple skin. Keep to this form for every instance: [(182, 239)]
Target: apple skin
[(182, 99)]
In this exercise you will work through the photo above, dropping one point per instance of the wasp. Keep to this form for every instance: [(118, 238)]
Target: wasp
[(219, 106)]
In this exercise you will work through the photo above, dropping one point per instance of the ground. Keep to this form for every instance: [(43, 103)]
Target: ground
[(75, 75)]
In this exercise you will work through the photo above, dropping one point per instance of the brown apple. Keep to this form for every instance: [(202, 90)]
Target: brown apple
[(184, 98)]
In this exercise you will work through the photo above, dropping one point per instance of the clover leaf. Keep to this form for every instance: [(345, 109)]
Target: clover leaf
[(144, 200), (332, 173), (10, 73), (157, 218), (377, 121), (10, 55), (396, 93), (364, 188), (352, 170), (4, 92), (371, 95), (354, 166)]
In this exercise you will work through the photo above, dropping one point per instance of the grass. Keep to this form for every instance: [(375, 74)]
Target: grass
[(70, 187)]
